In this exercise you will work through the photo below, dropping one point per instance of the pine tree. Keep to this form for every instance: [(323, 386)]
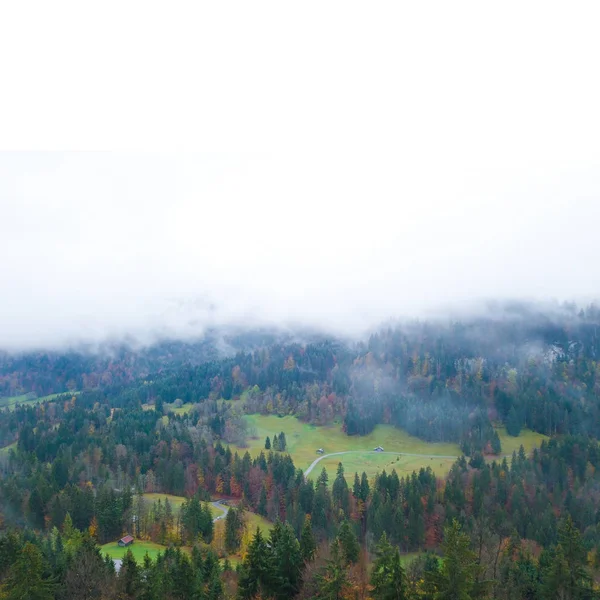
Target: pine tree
[(25, 577), (459, 571), (268, 443), (513, 422), (308, 545), (388, 577), (567, 576), (339, 491), (282, 442), (333, 581), (129, 577), (364, 487), (349, 545), (287, 563), (234, 526), (275, 442), (356, 487), (256, 572)]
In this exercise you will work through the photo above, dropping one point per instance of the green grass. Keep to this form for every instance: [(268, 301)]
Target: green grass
[(7, 449), (182, 410), (138, 549), (371, 463), (253, 521), (304, 439), (12, 401), (176, 501), (529, 439)]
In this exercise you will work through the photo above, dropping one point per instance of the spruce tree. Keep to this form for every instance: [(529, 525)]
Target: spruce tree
[(268, 443), (25, 578), (333, 580), (457, 577), (348, 543), (339, 491), (275, 442), (287, 563), (388, 577), (308, 545), (256, 572)]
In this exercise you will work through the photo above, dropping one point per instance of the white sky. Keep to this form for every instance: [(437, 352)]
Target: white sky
[(354, 162)]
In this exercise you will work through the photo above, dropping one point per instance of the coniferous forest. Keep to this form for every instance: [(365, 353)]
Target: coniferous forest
[(76, 467)]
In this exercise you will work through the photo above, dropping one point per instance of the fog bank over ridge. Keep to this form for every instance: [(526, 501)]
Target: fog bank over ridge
[(101, 246)]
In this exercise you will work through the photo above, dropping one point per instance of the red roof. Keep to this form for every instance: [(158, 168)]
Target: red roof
[(127, 539)]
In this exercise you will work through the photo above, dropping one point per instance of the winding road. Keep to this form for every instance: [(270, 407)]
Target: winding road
[(316, 461), (218, 504)]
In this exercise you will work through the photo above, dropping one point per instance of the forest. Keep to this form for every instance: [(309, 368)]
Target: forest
[(76, 470)]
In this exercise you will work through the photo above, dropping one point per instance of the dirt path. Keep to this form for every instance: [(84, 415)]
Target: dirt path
[(316, 461)]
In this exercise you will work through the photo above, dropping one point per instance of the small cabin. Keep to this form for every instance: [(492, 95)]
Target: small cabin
[(378, 449), (320, 451), (126, 541)]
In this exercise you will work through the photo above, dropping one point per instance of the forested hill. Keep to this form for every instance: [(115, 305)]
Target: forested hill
[(441, 381), (93, 366)]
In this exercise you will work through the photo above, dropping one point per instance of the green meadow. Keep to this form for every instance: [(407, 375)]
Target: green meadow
[(304, 439), (138, 549), (11, 401)]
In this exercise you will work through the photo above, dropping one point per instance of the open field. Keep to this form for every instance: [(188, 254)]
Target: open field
[(371, 463), (12, 401), (304, 439), (529, 439), (138, 549), (253, 521), (176, 501), (7, 449)]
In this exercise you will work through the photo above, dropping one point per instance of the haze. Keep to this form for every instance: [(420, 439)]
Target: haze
[(386, 165)]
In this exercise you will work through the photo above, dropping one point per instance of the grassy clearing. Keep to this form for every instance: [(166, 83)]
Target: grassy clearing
[(138, 549), (24, 399), (253, 521), (182, 410), (371, 463), (529, 439), (7, 449), (176, 501), (304, 439)]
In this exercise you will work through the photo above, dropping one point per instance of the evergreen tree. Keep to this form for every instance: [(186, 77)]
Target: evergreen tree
[(282, 442), (457, 577), (349, 545), (256, 574), (268, 443), (308, 545), (356, 486), (287, 563), (339, 491), (364, 487), (25, 579), (513, 422), (234, 528), (333, 581), (129, 577), (566, 577), (275, 442), (388, 577)]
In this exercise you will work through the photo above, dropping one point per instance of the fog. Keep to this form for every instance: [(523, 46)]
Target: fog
[(360, 167)]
